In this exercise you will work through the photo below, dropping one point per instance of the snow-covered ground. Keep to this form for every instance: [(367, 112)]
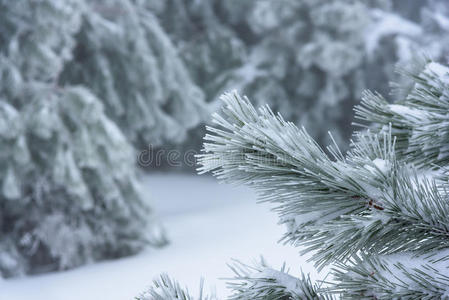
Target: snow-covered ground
[(208, 224)]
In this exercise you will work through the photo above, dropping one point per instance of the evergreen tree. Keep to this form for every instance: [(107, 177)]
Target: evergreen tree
[(68, 188), (377, 214), (128, 61), (309, 60)]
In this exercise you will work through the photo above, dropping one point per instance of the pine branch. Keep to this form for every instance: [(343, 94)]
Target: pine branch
[(420, 122), (283, 162), (413, 218), (262, 282), (165, 288), (399, 276), (368, 211), (333, 206)]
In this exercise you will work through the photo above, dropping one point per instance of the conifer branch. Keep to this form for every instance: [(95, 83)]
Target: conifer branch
[(399, 276), (419, 122), (345, 209), (333, 206), (165, 288), (262, 282)]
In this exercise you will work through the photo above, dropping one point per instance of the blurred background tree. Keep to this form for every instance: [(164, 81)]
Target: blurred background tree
[(309, 60), (126, 58)]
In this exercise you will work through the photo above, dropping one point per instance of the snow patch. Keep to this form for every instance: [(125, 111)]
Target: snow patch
[(441, 71), (381, 164), (290, 283), (406, 111)]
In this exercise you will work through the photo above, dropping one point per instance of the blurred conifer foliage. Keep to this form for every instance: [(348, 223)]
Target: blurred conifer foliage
[(69, 192), (308, 59)]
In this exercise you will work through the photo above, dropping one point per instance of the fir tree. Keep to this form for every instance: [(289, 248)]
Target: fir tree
[(377, 214), (68, 188), (128, 61)]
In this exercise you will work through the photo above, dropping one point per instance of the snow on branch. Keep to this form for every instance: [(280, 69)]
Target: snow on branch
[(262, 282), (165, 288), (420, 122), (333, 206), (398, 276)]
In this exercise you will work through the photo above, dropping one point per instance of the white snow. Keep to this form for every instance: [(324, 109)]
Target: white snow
[(208, 224), (381, 164), (441, 71), (290, 283), (400, 109), (437, 261), (406, 111)]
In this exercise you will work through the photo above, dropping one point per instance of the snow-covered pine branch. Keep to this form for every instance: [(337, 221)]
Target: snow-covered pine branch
[(397, 276), (333, 205), (370, 202), (263, 282), (250, 282), (420, 121), (164, 288)]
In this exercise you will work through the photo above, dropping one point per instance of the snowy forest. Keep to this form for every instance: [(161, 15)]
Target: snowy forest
[(325, 121)]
